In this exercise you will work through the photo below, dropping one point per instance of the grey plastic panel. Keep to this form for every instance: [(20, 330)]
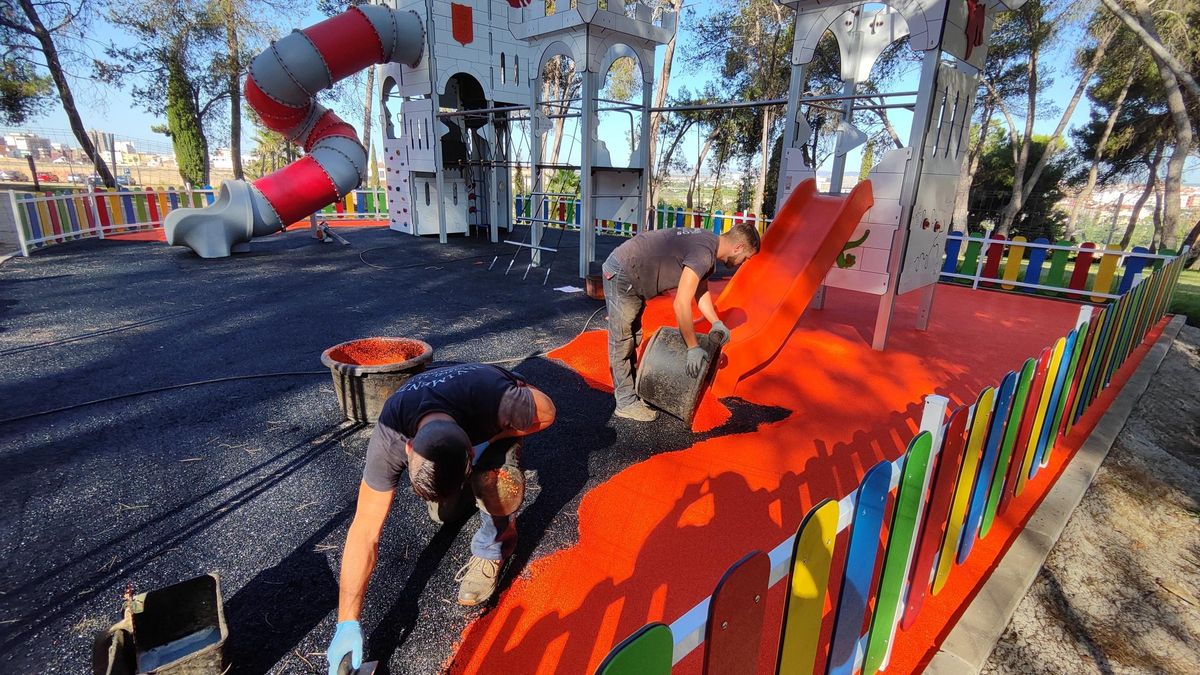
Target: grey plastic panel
[(303, 63), (402, 33), (213, 231), (344, 159)]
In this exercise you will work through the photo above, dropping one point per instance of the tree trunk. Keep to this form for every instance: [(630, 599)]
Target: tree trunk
[(1151, 182), (660, 99), (887, 125), (1191, 240), (54, 65), (234, 64), (1098, 154), (1021, 159), (1030, 182), (708, 143), (1023, 185), (1149, 37), (1183, 135), (368, 107), (962, 191), (760, 185)]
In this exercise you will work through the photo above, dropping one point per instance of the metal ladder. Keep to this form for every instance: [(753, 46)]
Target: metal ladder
[(536, 249)]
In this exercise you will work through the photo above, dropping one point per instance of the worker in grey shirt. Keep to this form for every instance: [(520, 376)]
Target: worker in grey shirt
[(653, 263), (458, 432)]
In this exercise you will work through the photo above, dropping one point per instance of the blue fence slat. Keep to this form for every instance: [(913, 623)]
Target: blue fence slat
[(953, 244), (987, 465), (1134, 264), (857, 583)]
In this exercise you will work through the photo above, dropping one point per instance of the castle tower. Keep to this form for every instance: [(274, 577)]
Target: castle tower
[(594, 34), (447, 170)]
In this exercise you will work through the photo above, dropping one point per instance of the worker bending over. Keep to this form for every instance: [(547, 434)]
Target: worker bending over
[(458, 432), (652, 263)]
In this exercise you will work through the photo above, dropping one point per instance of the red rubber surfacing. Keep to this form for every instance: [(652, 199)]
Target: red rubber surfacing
[(377, 351), (655, 538)]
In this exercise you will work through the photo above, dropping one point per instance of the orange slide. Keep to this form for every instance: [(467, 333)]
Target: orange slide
[(765, 298)]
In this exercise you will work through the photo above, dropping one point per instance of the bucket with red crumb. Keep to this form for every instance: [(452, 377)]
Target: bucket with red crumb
[(367, 371)]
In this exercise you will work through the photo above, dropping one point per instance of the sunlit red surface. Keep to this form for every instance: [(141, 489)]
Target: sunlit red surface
[(654, 539)]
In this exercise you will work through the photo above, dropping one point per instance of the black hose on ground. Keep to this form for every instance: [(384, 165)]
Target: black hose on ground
[(156, 390), (234, 378)]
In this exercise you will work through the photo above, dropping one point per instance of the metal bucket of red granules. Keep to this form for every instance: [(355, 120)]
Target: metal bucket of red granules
[(367, 371)]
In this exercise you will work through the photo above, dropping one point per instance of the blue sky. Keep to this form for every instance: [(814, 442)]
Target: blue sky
[(108, 108)]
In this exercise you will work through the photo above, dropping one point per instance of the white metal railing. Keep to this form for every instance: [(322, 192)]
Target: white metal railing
[(43, 219), (985, 242)]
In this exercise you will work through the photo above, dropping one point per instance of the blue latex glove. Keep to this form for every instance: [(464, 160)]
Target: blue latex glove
[(719, 333), (347, 639)]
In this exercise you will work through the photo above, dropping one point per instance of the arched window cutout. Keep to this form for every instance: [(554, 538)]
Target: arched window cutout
[(503, 70)]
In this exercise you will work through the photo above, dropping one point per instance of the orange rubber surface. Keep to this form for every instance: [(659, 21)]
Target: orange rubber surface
[(763, 301), (655, 538)]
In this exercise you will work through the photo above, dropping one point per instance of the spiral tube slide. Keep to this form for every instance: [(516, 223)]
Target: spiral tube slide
[(280, 87)]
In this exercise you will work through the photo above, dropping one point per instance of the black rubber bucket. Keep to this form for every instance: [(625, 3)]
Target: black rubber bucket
[(367, 371), (662, 379), (180, 629)]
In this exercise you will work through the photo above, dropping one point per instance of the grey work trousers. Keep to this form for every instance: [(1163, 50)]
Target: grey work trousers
[(625, 309)]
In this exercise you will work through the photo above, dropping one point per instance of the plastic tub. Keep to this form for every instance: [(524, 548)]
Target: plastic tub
[(366, 372), (180, 629)]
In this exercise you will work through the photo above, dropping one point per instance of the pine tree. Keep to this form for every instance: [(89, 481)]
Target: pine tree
[(183, 121)]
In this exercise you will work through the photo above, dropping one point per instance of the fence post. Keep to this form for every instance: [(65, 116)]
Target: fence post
[(91, 198), (980, 259), (931, 419), (16, 212), (1085, 314)]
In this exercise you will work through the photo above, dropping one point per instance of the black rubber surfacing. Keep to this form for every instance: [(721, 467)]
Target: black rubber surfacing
[(256, 479)]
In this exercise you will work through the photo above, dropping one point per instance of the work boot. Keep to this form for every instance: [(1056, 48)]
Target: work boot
[(637, 411), (477, 580)]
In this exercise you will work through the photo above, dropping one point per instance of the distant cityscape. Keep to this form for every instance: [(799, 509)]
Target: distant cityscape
[(152, 162)]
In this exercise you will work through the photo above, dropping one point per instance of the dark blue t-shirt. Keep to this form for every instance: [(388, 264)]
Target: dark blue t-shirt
[(483, 399)]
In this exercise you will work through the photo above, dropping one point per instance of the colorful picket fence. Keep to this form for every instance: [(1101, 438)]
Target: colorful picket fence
[(945, 493), (365, 204), (1059, 269), (564, 212), (44, 219)]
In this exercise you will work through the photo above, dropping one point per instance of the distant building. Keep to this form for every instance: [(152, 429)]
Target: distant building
[(20, 144)]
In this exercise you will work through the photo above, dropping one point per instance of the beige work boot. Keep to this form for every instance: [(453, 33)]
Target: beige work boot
[(638, 411), (477, 580)]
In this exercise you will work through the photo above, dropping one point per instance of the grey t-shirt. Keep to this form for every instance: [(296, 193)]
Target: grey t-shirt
[(654, 260), (483, 399)]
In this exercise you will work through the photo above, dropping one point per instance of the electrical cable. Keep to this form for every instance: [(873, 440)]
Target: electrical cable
[(97, 333), (234, 378), (541, 353), (161, 389), (426, 264)]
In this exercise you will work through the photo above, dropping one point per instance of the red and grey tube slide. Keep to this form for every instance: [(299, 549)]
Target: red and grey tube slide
[(280, 87)]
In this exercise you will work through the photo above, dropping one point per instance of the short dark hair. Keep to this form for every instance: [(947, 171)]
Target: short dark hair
[(745, 233), (443, 446)]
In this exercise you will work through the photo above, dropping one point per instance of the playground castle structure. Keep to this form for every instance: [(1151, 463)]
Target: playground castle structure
[(459, 77)]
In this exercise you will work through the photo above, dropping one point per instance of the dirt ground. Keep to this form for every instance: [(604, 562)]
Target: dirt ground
[(1120, 591)]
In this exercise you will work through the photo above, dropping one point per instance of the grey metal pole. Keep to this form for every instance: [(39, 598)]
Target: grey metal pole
[(587, 225), (644, 158), (908, 194), (439, 170), (838, 171)]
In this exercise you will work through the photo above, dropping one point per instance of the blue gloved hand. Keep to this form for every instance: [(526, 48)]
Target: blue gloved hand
[(697, 360), (347, 639), (719, 333)]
